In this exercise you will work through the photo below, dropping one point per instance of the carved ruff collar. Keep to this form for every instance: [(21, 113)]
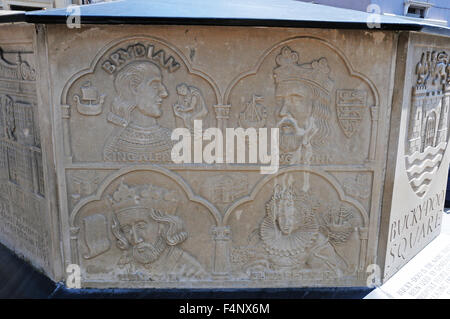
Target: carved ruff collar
[(276, 243)]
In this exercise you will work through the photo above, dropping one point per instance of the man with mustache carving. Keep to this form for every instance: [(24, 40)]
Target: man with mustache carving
[(150, 235), (303, 95)]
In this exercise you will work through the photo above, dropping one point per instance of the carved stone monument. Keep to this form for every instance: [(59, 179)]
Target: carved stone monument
[(87, 119)]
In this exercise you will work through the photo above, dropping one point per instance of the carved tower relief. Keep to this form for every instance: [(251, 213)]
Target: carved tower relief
[(427, 136)]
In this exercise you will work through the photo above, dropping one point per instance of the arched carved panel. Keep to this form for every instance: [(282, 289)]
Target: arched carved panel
[(305, 86), (141, 226), (134, 93), (297, 226)]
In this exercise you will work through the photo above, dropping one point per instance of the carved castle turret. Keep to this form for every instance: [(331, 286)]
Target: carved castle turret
[(428, 125)]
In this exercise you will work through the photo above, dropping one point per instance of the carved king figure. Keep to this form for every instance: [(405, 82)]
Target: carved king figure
[(150, 235), (141, 91), (303, 94)]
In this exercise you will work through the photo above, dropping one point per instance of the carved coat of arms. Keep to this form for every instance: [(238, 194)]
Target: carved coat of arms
[(428, 120), (350, 106)]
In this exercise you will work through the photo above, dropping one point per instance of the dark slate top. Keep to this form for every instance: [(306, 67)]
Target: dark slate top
[(273, 13), (12, 16)]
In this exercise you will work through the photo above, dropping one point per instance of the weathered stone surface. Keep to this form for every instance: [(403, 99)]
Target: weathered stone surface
[(110, 96), (24, 219), (417, 167)]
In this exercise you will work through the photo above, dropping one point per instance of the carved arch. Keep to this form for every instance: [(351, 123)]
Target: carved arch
[(154, 168), (116, 42), (339, 53), (318, 172)]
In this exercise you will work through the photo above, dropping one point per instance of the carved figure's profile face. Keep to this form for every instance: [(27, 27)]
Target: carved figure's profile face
[(142, 233), (295, 101), (286, 216), (150, 92)]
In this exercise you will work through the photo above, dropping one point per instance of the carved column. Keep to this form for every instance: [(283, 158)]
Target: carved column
[(374, 131), (65, 109), (221, 236), (74, 231), (34, 170), (222, 116), (363, 236)]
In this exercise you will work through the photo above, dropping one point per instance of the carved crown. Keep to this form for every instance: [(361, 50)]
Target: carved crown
[(288, 69), (143, 196), (284, 193), (289, 193)]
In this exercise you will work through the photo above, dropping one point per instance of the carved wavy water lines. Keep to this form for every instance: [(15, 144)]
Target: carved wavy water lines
[(429, 152), (425, 176), (423, 166), (422, 189), (418, 174)]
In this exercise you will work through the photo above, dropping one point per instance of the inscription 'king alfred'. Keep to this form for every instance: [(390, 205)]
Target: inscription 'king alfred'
[(139, 51)]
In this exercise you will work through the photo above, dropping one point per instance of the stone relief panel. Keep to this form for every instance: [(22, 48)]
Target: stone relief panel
[(221, 188), (190, 106), (143, 230), (138, 90), (416, 213), (302, 235), (82, 183), (350, 105), (138, 224), (23, 227), (427, 136), (357, 185), (130, 99), (89, 102), (224, 189), (326, 112), (23, 220)]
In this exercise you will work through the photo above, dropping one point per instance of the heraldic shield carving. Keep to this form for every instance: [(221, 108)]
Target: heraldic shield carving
[(427, 137)]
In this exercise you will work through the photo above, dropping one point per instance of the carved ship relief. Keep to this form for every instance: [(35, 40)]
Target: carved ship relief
[(93, 102), (428, 120), (254, 114)]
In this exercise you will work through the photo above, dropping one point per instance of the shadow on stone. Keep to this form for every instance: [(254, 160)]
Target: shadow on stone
[(18, 279)]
